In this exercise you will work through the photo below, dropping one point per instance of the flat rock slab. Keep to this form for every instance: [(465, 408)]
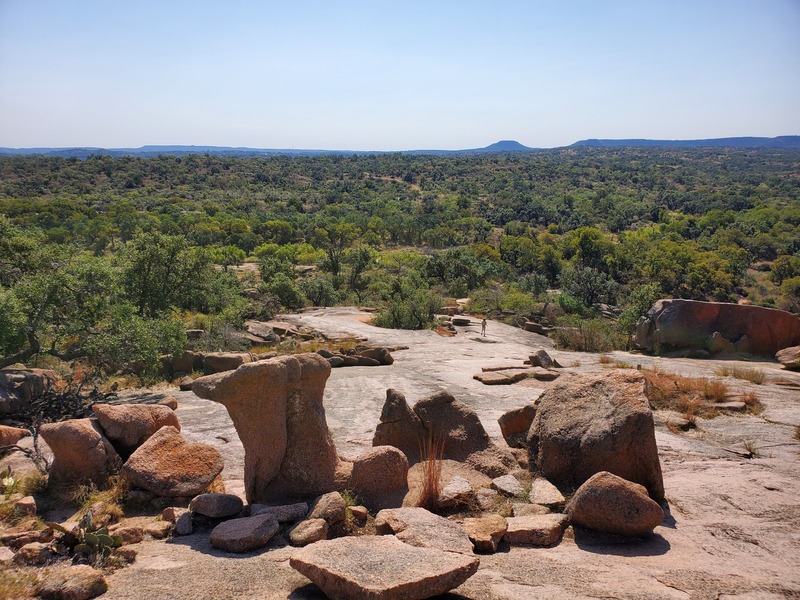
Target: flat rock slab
[(521, 509), (421, 528), (540, 530), (217, 506), (544, 492), (243, 535), (508, 485), (458, 491), (381, 568), (486, 532)]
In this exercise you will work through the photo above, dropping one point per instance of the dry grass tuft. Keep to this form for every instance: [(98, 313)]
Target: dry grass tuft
[(17, 584), (687, 395), (432, 452), (605, 359), (715, 390), (750, 374), (752, 402)]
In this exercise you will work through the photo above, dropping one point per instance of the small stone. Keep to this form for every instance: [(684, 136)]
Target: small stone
[(245, 534), (173, 513), (544, 492), (486, 532), (308, 531), (184, 524), (216, 506), (360, 515), (185, 384), (25, 506), (508, 486), (6, 556), (73, 582), (330, 506), (419, 527), (457, 492), (487, 498), (170, 401), (518, 509), (129, 535), (540, 530), (158, 530), (544, 375)]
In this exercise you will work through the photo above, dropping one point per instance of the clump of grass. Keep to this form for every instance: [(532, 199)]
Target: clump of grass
[(104, 504), (752, 403), (17, 583), (432, 452), (751, 448), (687, 395), (715, 390), (750, 374), (605, 359), (621, 364)]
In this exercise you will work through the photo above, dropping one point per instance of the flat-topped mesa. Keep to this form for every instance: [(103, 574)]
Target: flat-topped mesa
[(276, 407)]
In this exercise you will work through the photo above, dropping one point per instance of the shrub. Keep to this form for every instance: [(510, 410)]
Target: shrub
[(588, 335), (432, 452)]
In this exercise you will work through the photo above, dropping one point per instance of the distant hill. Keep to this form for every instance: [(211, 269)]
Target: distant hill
[(501, 147), (783, 141)]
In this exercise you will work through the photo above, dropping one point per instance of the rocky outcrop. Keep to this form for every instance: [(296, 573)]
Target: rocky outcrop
[(419, 527), (689, 324), (276, 407), (128, 426), (597, 423), (440, 417), (381, 567), (611, 504), (169, 466), (81, 452), (789, 357), (20, 386)]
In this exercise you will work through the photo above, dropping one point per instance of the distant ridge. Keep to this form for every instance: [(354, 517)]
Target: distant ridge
[(501, 147), (783, 141)]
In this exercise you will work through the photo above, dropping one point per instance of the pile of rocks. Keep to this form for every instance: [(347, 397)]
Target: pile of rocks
[(543, 369), (360, 356)]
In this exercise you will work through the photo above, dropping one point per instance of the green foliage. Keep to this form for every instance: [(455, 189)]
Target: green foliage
[(408, 304), (87, 541), (319, 290), (588, 285), (588, 335), (12, 323), (637, 304), (287, 291), (784, 267)]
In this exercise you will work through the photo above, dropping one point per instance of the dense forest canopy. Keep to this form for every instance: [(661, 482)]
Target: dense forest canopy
[(577, 226)]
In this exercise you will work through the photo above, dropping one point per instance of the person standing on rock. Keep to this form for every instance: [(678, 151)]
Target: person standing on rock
[(483, 328)]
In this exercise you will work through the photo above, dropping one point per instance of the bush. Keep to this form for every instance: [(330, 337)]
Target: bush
[(588, 335)]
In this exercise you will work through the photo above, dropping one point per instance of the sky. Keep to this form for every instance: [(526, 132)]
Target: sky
[(394, 75)]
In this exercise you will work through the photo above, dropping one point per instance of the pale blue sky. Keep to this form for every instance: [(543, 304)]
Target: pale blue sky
[(394, 75)]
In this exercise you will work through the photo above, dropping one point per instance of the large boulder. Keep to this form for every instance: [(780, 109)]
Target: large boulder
[(611, 504), (689, 324), (419, 527), (380, 477), (128, 426), (219, 362), (789, 357), (440, 417), (598, 423), (20, 386), (11, 435), (381, 567), (514, 425), (169, 466), (276, 407), (81, 452), (400, 427)]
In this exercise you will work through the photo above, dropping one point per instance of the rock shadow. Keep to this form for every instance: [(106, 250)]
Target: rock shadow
[(618, 545), (200, 541)]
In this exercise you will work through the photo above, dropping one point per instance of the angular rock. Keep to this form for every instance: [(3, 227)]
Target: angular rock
[(541, 358), (11, 435), (514, 425), (544, 492), (80, 451), (360, 515), (494, 378), (519, 509), (485, 532), (537, 530), (276, 407), (19, 386), (421, 528), (6, 556), (508, 485), (399, 427), (219, 362), (673, 324), (158, 530), (458, 492), (217, 506), (611, 504), (245, 534), (789, 357), (170, 402), (186, 384), (284, 514), (72, 582), (169, 466), (331, 507), (381, 567), (308, 531), (173, 513), (597, 423), (34, 553), (717, 344), (184, 524), (545, 375), (381, 355), (380, 477), (128, 534), (487, 498), (25, 506), (128, 426)]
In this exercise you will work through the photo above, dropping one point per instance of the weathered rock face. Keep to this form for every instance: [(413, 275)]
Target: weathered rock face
[(129, 426), (440, 417), (308, 531), (169, 466), (20, 386), (679, 324), (381, 567), (486, 532), (216, 506), (380, 477), (276, 407), (598, 423), (789, 357), (243, 535), (399, 427), (514, 425), (419, 527), (73, 582), (535, 530), (80, 451), (611, 504)]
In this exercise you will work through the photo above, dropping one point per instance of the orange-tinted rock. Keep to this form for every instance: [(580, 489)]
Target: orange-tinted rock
[(128, 426), (380, 477), (11, 435), (80, 451)]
